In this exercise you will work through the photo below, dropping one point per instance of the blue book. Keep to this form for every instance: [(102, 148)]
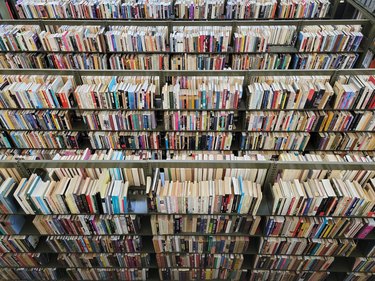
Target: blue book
[(16, 222), (6, 195), (321, 227), (242, 193), (131, 97)]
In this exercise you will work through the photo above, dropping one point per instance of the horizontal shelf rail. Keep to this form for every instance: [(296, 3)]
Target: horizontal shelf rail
[(323, 165), (177, 22)]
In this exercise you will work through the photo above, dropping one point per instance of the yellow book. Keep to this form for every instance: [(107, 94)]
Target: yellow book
[(328, 121)]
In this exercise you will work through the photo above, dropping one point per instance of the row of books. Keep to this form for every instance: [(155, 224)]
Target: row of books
[(201, 244), (72, 195), (364, 264), (293, 263), (325, 38), (87, 225), (86, 61), (259, 38), (178, 62), (18, 243), (263, 275), (28, 274), (349, 92), (203, 93), (20, 37), (199, 121), (339, 38), (316, 227), (305, 92), (324, 61), (345, 141), (227, 261), (136, 39), (166, 9), (41, 91), (36, 120), (134, 176), (231, 195), (306, 247), (294, 61), (198, 141), (124, 140), (356, 92), (200, 39), (117, 93), (187, 140), (355, 276), (94, 244), (209, 174), (168, 225), (104, 260), (324, 197), (310, 121), (107, 274), (274, 141), (199, 274), (198, 62), (117, 121), (189, 120), (23, 259)]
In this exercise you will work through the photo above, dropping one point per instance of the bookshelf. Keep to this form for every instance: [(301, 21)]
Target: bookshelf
[(341, 265)]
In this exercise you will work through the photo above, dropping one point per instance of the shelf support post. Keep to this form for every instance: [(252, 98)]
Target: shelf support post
[(25, 172), (271, 174)]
